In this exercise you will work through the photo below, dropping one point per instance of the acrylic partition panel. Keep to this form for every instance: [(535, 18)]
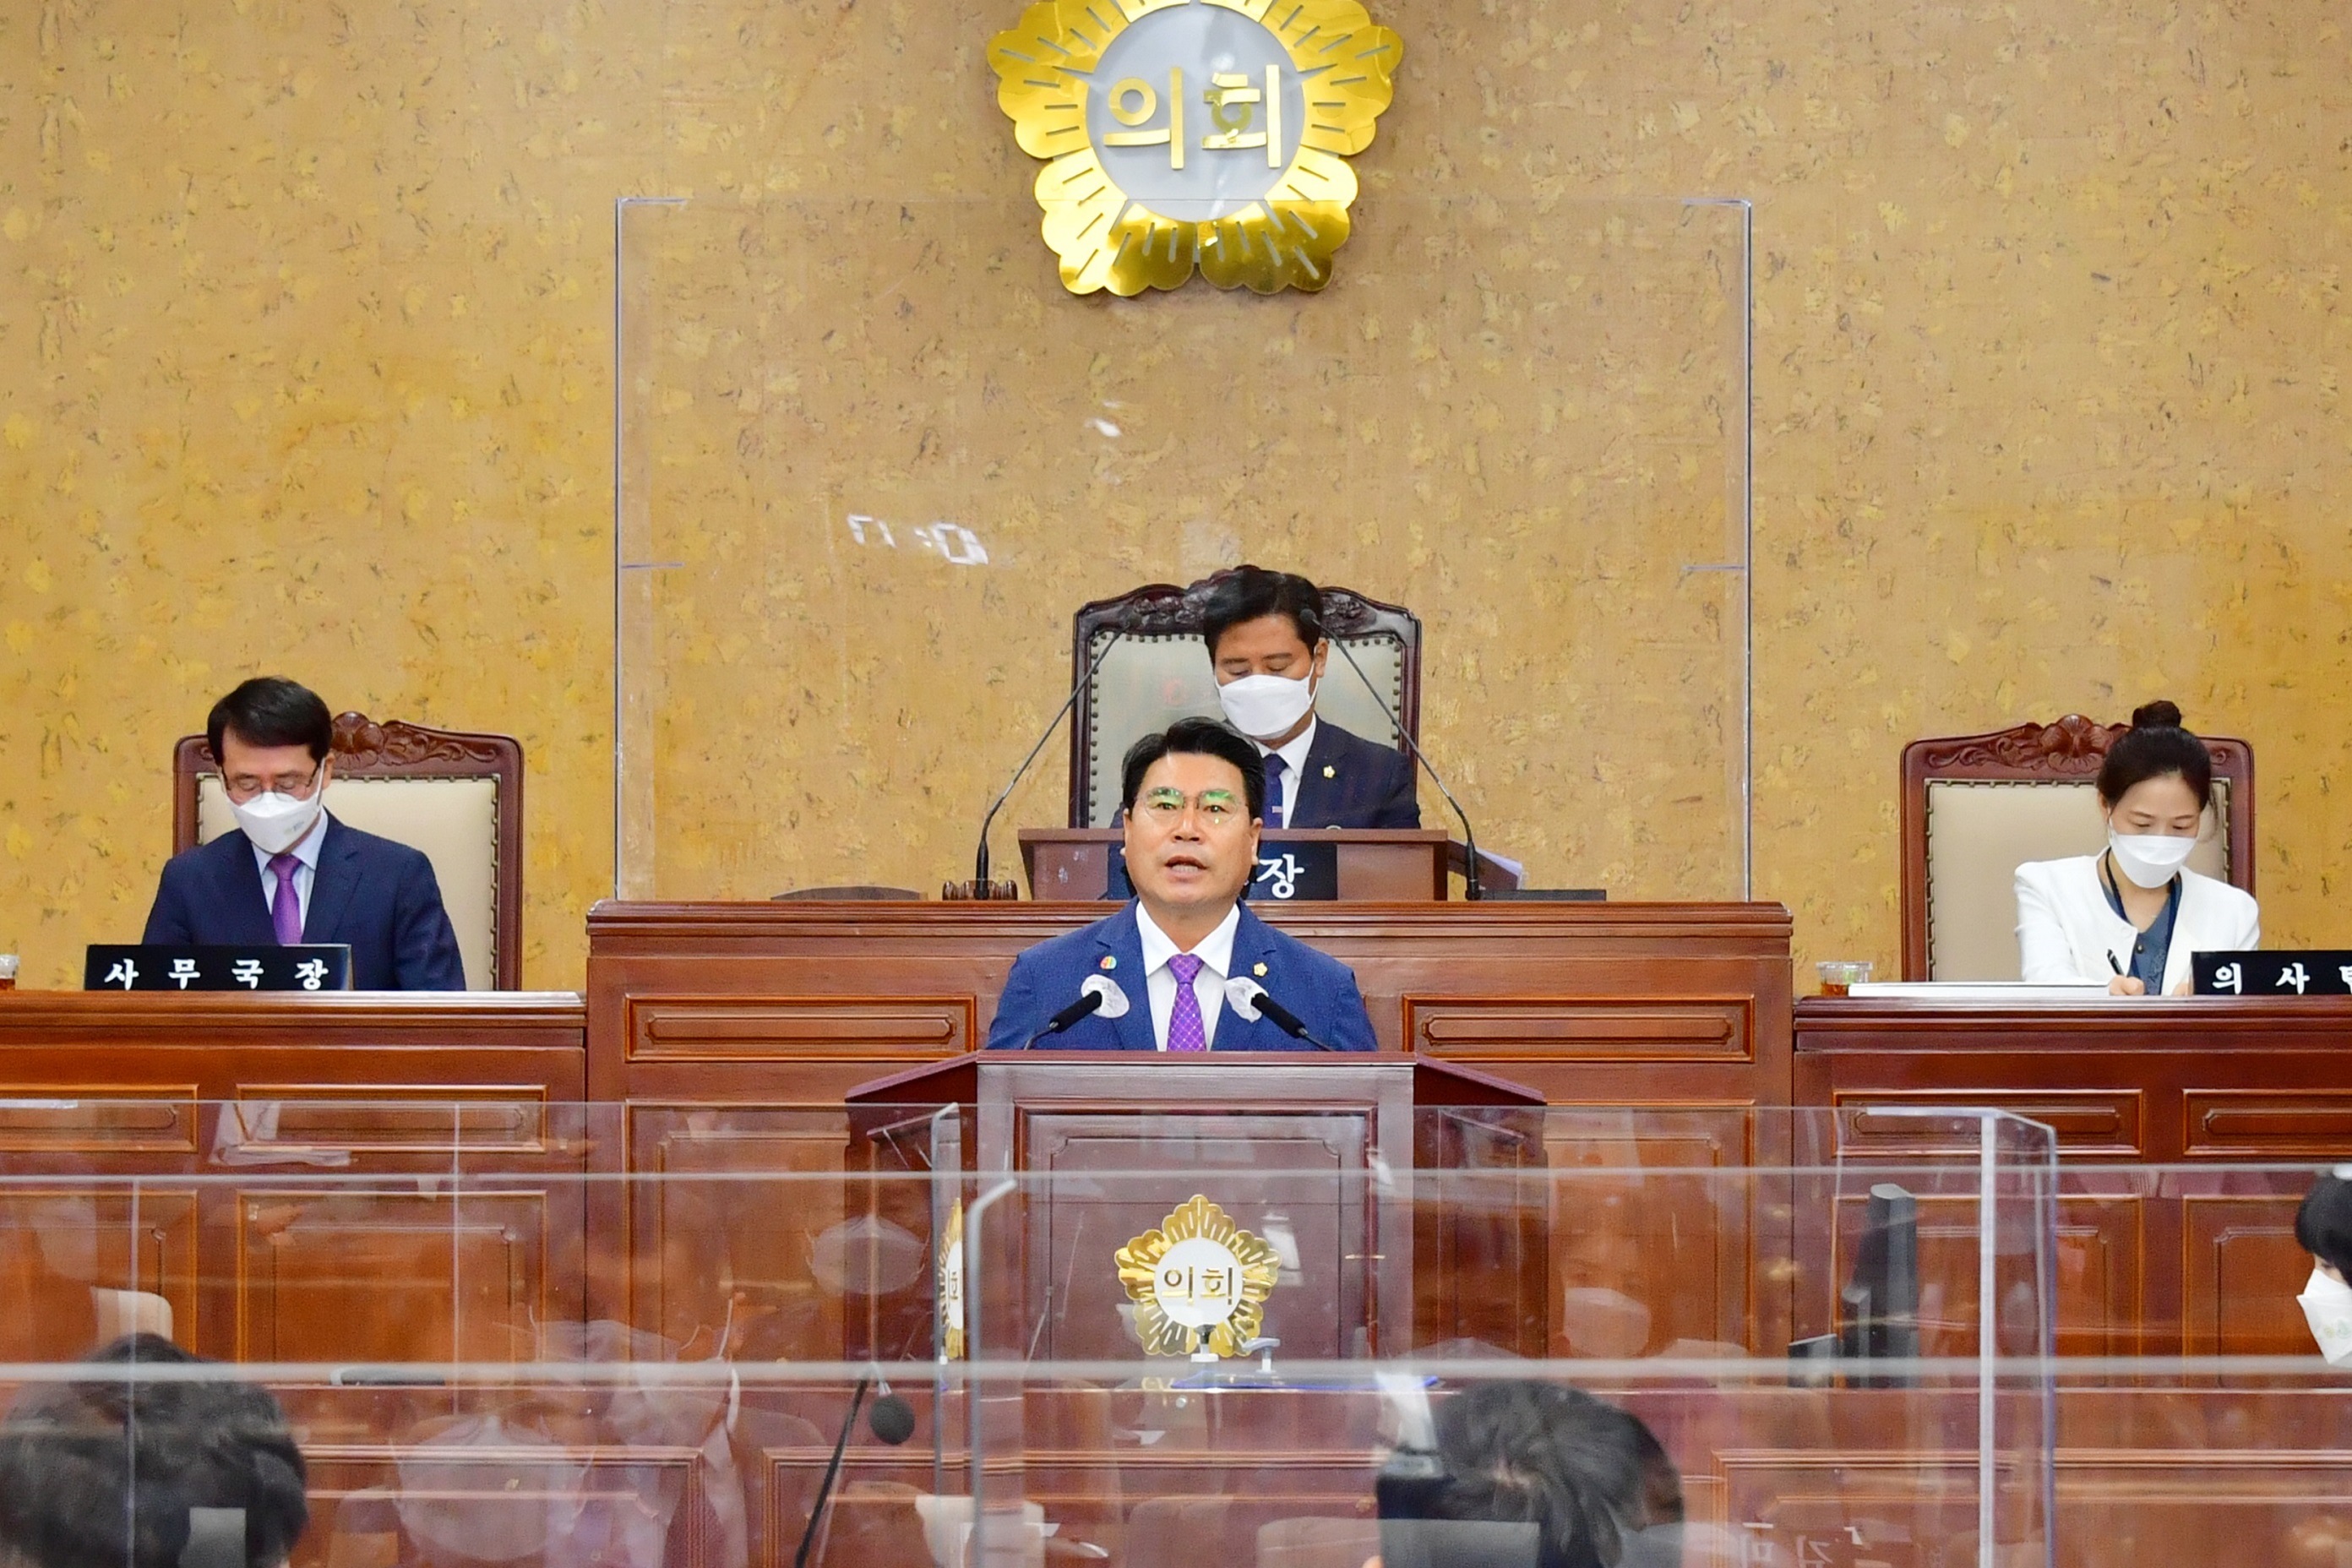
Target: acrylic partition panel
[(509, 1331), (873, 458)]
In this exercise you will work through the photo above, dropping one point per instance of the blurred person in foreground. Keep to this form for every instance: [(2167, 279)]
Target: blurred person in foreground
[(2323, 1227), (1529, 1475), (112, 1469)]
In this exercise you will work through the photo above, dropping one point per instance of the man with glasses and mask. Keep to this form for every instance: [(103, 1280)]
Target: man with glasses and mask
[(291, 873), (1162, 970)]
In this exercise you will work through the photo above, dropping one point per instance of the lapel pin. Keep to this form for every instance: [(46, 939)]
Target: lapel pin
[(1329, 772), (1110, 961), (1258, 970)]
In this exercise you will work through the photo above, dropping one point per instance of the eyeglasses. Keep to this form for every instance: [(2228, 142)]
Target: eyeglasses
[(244, 786), (1217, 807)]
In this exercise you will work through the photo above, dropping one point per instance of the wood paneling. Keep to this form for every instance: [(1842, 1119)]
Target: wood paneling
[(2191, 1261), (796, 1003)]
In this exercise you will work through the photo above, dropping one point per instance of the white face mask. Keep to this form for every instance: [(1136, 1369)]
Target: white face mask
[(1264, 706), (2326, 1306), (277, 822), (2149, 859)]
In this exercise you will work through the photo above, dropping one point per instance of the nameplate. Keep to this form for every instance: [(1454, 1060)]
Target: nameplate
[(2272, 973), (312, 966), (1294, 873)]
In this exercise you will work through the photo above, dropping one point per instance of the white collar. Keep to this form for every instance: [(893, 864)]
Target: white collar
[(1294, 751), (1215, 949), (306, 852)]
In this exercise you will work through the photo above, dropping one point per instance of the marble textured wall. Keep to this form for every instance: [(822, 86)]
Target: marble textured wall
[(306, 315)]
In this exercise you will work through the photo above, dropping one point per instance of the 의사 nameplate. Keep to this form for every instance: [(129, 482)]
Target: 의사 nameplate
[(311, 966), (2272, 973)]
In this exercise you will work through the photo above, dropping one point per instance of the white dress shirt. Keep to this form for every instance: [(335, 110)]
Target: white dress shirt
[(305, 875), (1216, 952), (1293, 753), (2066, 930)]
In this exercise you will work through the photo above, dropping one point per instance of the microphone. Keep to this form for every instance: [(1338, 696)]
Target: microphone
[(1247, 999), (980, 886), (1100, 994), (1470, 886), (892, 1420)]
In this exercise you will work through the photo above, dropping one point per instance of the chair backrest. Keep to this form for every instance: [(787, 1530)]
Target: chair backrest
[(1158, 673), (454, 795), (1976, 807)]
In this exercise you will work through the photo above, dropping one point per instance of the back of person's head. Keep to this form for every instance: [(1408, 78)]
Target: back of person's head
[(1247, 592), (2322, 1226), (269, 711), (101, 1472), (1588, 1475), (2156, 747), (1206, 737)]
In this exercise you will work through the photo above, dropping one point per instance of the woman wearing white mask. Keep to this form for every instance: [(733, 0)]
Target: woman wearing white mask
[(2133, 916)]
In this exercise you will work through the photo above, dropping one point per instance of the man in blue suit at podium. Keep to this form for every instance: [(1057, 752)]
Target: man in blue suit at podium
[(1183, 966)]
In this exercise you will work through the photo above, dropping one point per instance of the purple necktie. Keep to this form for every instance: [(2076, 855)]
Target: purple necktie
[(286, 908), (1185, 1031), (1274, 768)]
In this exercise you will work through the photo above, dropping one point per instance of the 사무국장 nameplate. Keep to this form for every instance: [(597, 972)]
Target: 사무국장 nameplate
[(2272, 973), (135, 966)]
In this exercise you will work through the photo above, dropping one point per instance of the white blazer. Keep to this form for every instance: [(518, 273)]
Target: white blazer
[(2065, 929)]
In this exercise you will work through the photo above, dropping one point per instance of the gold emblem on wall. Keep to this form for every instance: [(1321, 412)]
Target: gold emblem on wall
[(1184, 134), (1198, 1274)]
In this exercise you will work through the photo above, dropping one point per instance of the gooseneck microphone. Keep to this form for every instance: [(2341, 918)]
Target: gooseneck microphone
[(1100, 993), (980, 886), (892, 1420), (1247, 999), (1470, 885)]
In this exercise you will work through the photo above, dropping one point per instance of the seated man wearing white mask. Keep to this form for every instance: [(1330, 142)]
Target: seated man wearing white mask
[(2133, 916), (290, 873), (1265, 631)]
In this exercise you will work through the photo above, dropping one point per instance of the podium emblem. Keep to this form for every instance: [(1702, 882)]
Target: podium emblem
[(1198, 1282), (1195, 134), (951, 1286)]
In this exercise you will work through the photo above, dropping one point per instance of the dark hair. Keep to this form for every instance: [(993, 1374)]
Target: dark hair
[(2156, 747), (1205, 737), (1247, 592), (2322, 1226), (1581, 1470), (268, 712), (101, 1472)]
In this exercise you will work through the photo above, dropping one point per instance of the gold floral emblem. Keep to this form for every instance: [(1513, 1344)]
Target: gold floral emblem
[(1198, 1273), (950, 1283), (1184, 134)]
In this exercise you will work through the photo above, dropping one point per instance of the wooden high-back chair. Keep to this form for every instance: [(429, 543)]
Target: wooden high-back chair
[(1976, 807), (1158, 673), (456, 795)]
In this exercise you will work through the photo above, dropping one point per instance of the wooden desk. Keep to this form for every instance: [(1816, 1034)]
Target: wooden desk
[(795, 1004), (110, 1087), (2168, 1244)]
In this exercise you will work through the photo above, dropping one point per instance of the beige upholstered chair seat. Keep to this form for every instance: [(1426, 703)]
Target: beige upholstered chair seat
[(454, 821), (1979, 831)]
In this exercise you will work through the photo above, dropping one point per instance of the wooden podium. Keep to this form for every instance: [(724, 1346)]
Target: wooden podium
[(1377, 865), (1402, 1192)]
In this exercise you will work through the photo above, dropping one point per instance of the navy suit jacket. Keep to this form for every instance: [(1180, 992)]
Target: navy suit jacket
[(1349, 782), (378, 897), (1045, 978)]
